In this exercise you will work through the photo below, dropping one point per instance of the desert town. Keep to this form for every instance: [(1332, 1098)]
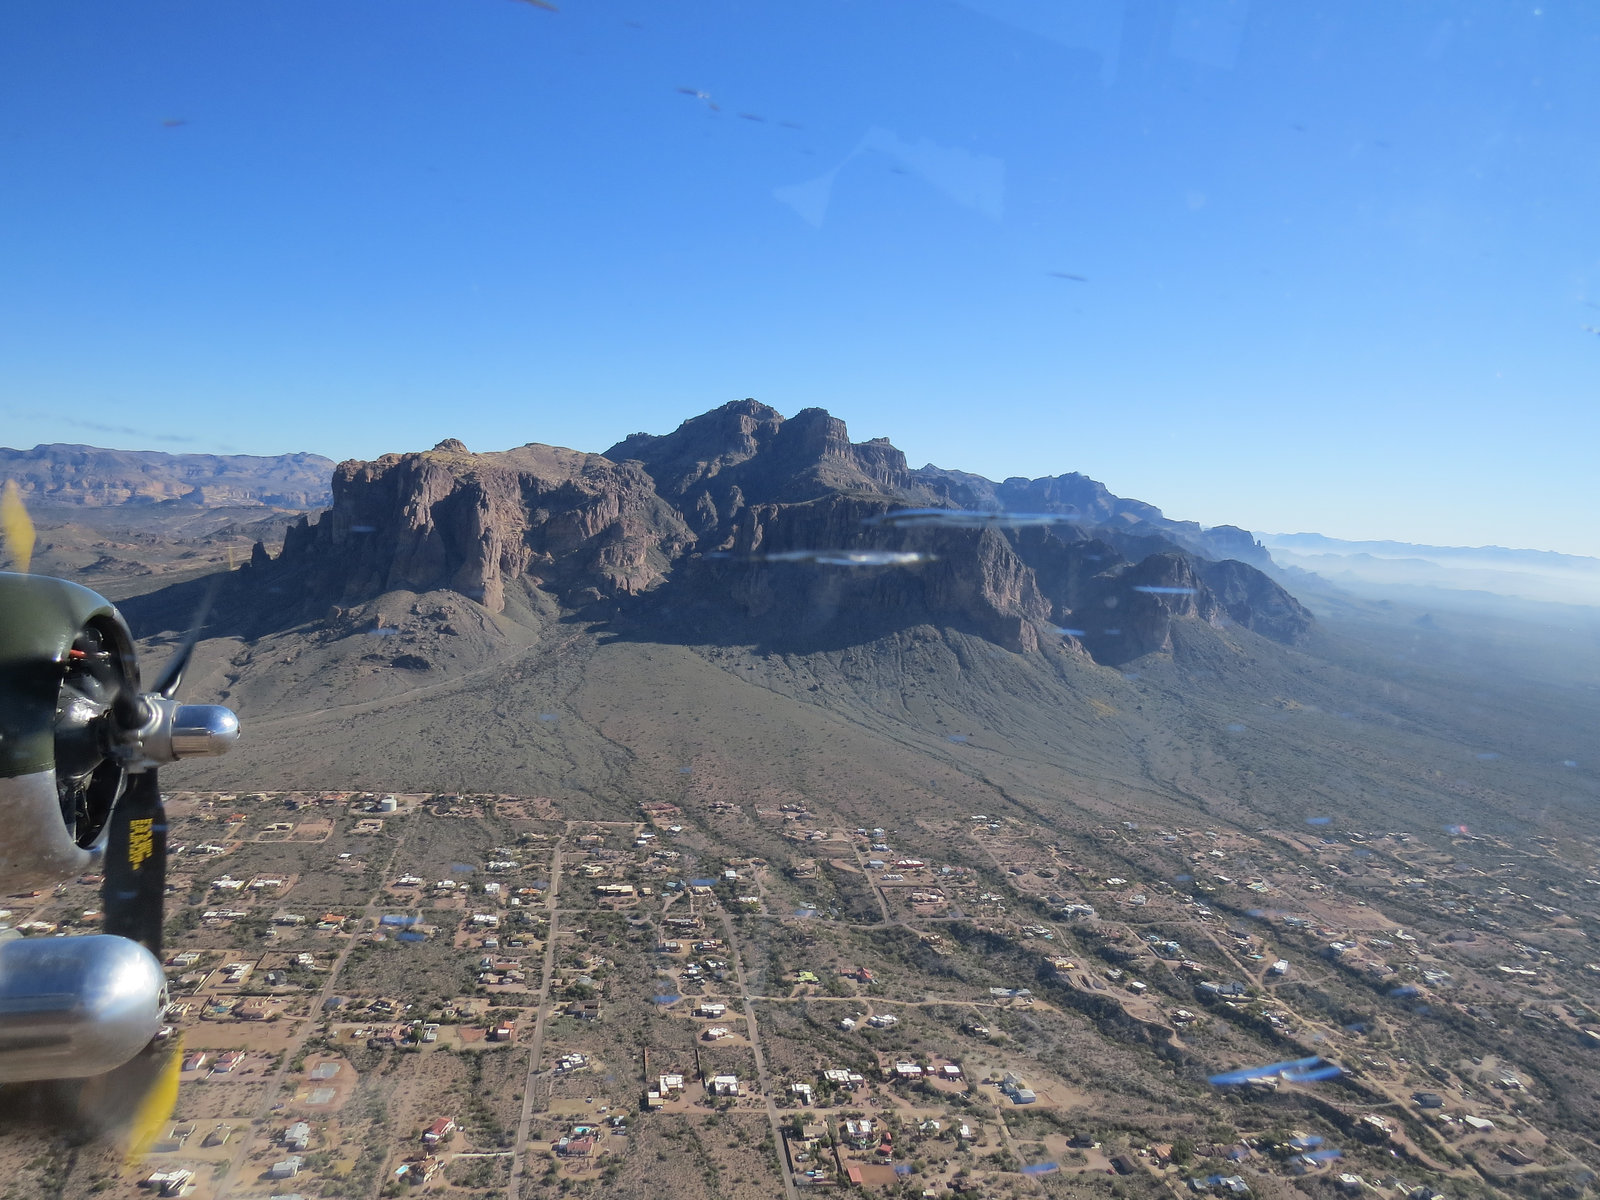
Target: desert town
[(473, 995)]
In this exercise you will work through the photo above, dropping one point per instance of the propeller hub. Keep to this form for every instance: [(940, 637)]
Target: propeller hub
[(177, 731), (203, 730)]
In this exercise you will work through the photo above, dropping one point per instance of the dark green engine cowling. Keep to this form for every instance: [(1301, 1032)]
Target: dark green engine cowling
[(66, 662), (80, 739), (40, 621)]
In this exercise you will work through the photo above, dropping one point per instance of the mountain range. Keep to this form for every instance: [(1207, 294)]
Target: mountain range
[(1463, 577), (738, 608), (766, 634), (88, 476), (718, 524)]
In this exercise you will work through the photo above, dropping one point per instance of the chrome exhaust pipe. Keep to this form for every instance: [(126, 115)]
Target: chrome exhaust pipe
[(72, 1007)]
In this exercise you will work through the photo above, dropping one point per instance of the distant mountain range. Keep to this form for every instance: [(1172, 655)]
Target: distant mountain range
[(1457, 575), (746, 453), (63, 474), (740, 608)]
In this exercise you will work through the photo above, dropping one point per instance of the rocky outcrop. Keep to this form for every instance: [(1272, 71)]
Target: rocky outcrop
[(1120, 608), (1254, 601), (970, 576), (1129, 609), (713, 466), (719, 510), (1076, 494), (577, 524)]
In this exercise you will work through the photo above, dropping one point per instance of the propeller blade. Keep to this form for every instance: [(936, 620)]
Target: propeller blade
[(166, 685), (159, 1098), (134, 891), (134, 1103), (17, 526)]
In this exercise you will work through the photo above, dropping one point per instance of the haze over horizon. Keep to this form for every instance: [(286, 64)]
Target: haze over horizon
[(1268, 533), (1309, 270)]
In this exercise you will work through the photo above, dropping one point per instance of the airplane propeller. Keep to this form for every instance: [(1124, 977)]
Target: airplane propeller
[(110, 737), (135, 883)]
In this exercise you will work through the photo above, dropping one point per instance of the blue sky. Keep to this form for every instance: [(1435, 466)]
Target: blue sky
[(1336, 260)]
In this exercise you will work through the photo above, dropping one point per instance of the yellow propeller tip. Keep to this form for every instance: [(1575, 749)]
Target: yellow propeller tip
[(155, 1109), (17, 526)]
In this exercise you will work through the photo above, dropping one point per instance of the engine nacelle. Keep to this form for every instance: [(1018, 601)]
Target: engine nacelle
[(72, 1007), (76, 725)]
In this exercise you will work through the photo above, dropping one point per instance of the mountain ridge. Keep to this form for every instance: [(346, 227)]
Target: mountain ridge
[(66, 473), (669, 636), (1455, 576), (710, 517)]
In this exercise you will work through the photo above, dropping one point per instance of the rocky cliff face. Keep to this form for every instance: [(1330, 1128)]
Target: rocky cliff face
[(712, 467), (1127, 609), (576, 524), (1072, 493), (709, 518), (971, 576)]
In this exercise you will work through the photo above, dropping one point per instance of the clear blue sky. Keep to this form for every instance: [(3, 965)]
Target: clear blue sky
[(1338, 258)]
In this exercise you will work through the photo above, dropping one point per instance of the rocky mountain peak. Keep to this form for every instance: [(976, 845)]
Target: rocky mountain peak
[(537, 516), (719, 518), (817, 448), (702, 446), (712, 466)]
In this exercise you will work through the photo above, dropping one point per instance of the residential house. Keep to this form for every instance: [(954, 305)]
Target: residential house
[(418, 1171), (170, 1183), (1017, 1088), (859, 1134)]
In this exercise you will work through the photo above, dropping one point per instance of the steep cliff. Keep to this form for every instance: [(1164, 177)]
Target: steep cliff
[(724, 518), (713, 466), (577, 524), (970, 576)]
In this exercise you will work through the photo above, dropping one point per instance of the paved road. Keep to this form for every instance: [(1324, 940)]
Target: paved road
[(763, 1080), (519, 1160), (275, 1082), (877, 892)]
